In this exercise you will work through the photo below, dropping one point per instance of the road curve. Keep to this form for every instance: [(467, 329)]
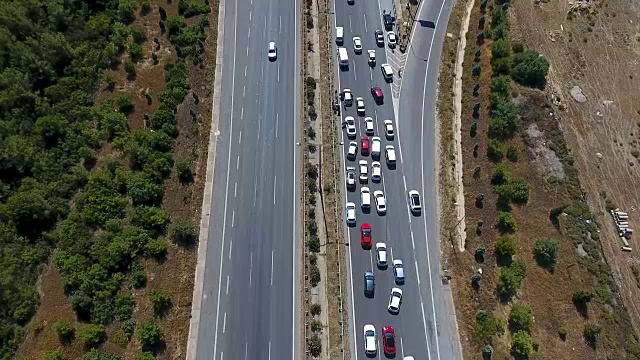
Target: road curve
[(250, 299)]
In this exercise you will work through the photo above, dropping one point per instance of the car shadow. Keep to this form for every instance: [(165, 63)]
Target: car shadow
[(390, 356), (427, 24), (366, 210), (369, 295), (371, 356)]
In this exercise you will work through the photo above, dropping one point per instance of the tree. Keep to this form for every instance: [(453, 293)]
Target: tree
[(581, 297), (149, 334), (176, 24), (501, 86), (545, 251), (143, 189), (135, 51), (126, 10), (183, 167), (591, 332), (530, 69), (138, 34), (495, 150), (149, 218), (505, 222), (52, 129), (123, 102), (63, 329), (500, 49), (520, 317), (521, 343), (160, 301), (130, 68), (315, 345), (92, 335), (124, 306), (504, 119), (500, 175), (511, 278), (315, 309), (113, 124), (182, 232), (505, 247)]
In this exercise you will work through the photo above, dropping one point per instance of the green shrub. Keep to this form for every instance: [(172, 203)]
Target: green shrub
[(57, 354), (495, 150), (500, 49), (521, 317), (94, 354), (135, 52), (145, 356), (63, 329), (123, 101), (315, 309), (92, 335), (501, 86), (500, 175), (191, 8), (137, 275), (545, 251), (516, 191), (149, 218), (522, 344), (582, 297), (160, 301), (486, 325), (176, 24), (149, 334), (591, 332), (505, 222), (181, 231), (129, 68), (511, 278), (126, 9), (128, 328), (530, 68), (505, 247), (138, 34), (183, 168), (124, 306), (563, 332), (504, 120), (155, 248), (512, 153)]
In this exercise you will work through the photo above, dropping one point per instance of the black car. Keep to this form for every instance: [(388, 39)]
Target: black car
[(388, 21), (369, 283)]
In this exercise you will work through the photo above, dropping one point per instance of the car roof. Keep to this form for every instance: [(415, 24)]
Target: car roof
[(389, 147), (370, 327), (388, 121), (378, 192), (351, 168), (397, 261), (381, 245), (349, 118), (362, 162), (368, 273), (349, 204), (375, 138), (396, 290)]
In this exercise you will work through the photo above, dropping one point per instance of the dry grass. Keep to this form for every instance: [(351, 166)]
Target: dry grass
[(548, 293), (175, 273)]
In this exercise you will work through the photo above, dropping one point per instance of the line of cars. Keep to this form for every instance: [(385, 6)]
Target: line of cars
[(359, 171)]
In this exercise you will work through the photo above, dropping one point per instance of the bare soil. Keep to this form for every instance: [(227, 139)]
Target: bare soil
[(175, 273), (554, 182)]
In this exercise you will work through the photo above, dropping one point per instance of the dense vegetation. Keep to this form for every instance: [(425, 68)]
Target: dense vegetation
[(103, 218)]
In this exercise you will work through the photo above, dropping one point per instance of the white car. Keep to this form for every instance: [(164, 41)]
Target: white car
[(390, 154), (365, 197), (370, 340), (272, 52), (364, 171), (368, 125), (376, 146), (381, 202), (391, 39), (353, 150), (395, 300), (387, 72), (376, 171), (372, 57), (381, 254), (350, 210), (360, 105), (350, 177), (414, 201), (357, 44), (388, 129), (347, 97), (351, 126), (398, 271)]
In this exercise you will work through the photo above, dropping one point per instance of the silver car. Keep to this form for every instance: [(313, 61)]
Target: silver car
[(351, 177), (398, 271), (369, 283)]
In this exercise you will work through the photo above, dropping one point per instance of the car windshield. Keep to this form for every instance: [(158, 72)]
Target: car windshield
[(366, 232), (416, 199), (390, 339), (369, 333)]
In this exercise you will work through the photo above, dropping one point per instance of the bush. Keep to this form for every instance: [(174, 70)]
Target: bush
[(126, 10), (160, 301), (138, 34), (545, 251), (149, 218), (315, 345), (591, 332), (176, 24), (530, 69), (521, 343), (521, 318), (512, 153), (149, 334), (123, 101), (63, 329), (563, 332), (137, 275), (314, 244), (505, 222), (99, 355), (125, 305), (182, 232), (155, 248), (314, 276), (500, 49), (581, 297), (504, 120), (511, 278), (128, 328), (315, 309), (108, 78), (57, 354), (91, 335), (516, 191), (500, 175), (495, 150), (129, 68), (145, 356), (486, 325), (135, 52), (191, 8), (505, 247), (501, 86), (183, 167)]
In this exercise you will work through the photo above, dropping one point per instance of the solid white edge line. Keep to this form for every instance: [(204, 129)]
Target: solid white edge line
[(295, 282), (226, 195)]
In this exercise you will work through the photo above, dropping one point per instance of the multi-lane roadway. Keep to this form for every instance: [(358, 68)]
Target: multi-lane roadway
[(250, 293), (423, 328)]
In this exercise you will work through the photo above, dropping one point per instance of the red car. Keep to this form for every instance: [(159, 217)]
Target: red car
[(364, 145), (365, 235), (389, 340), (376, 92)]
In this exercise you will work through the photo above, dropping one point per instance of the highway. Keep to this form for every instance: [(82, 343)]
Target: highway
[(422, 327), (250, 302)]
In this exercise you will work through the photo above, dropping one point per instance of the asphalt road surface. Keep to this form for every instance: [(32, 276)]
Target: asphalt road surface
[(249, 307), (422, 327)]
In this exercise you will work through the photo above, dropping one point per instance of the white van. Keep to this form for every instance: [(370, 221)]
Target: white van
[(339, 35), (365, 195), (343, 58), (375, 147)]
